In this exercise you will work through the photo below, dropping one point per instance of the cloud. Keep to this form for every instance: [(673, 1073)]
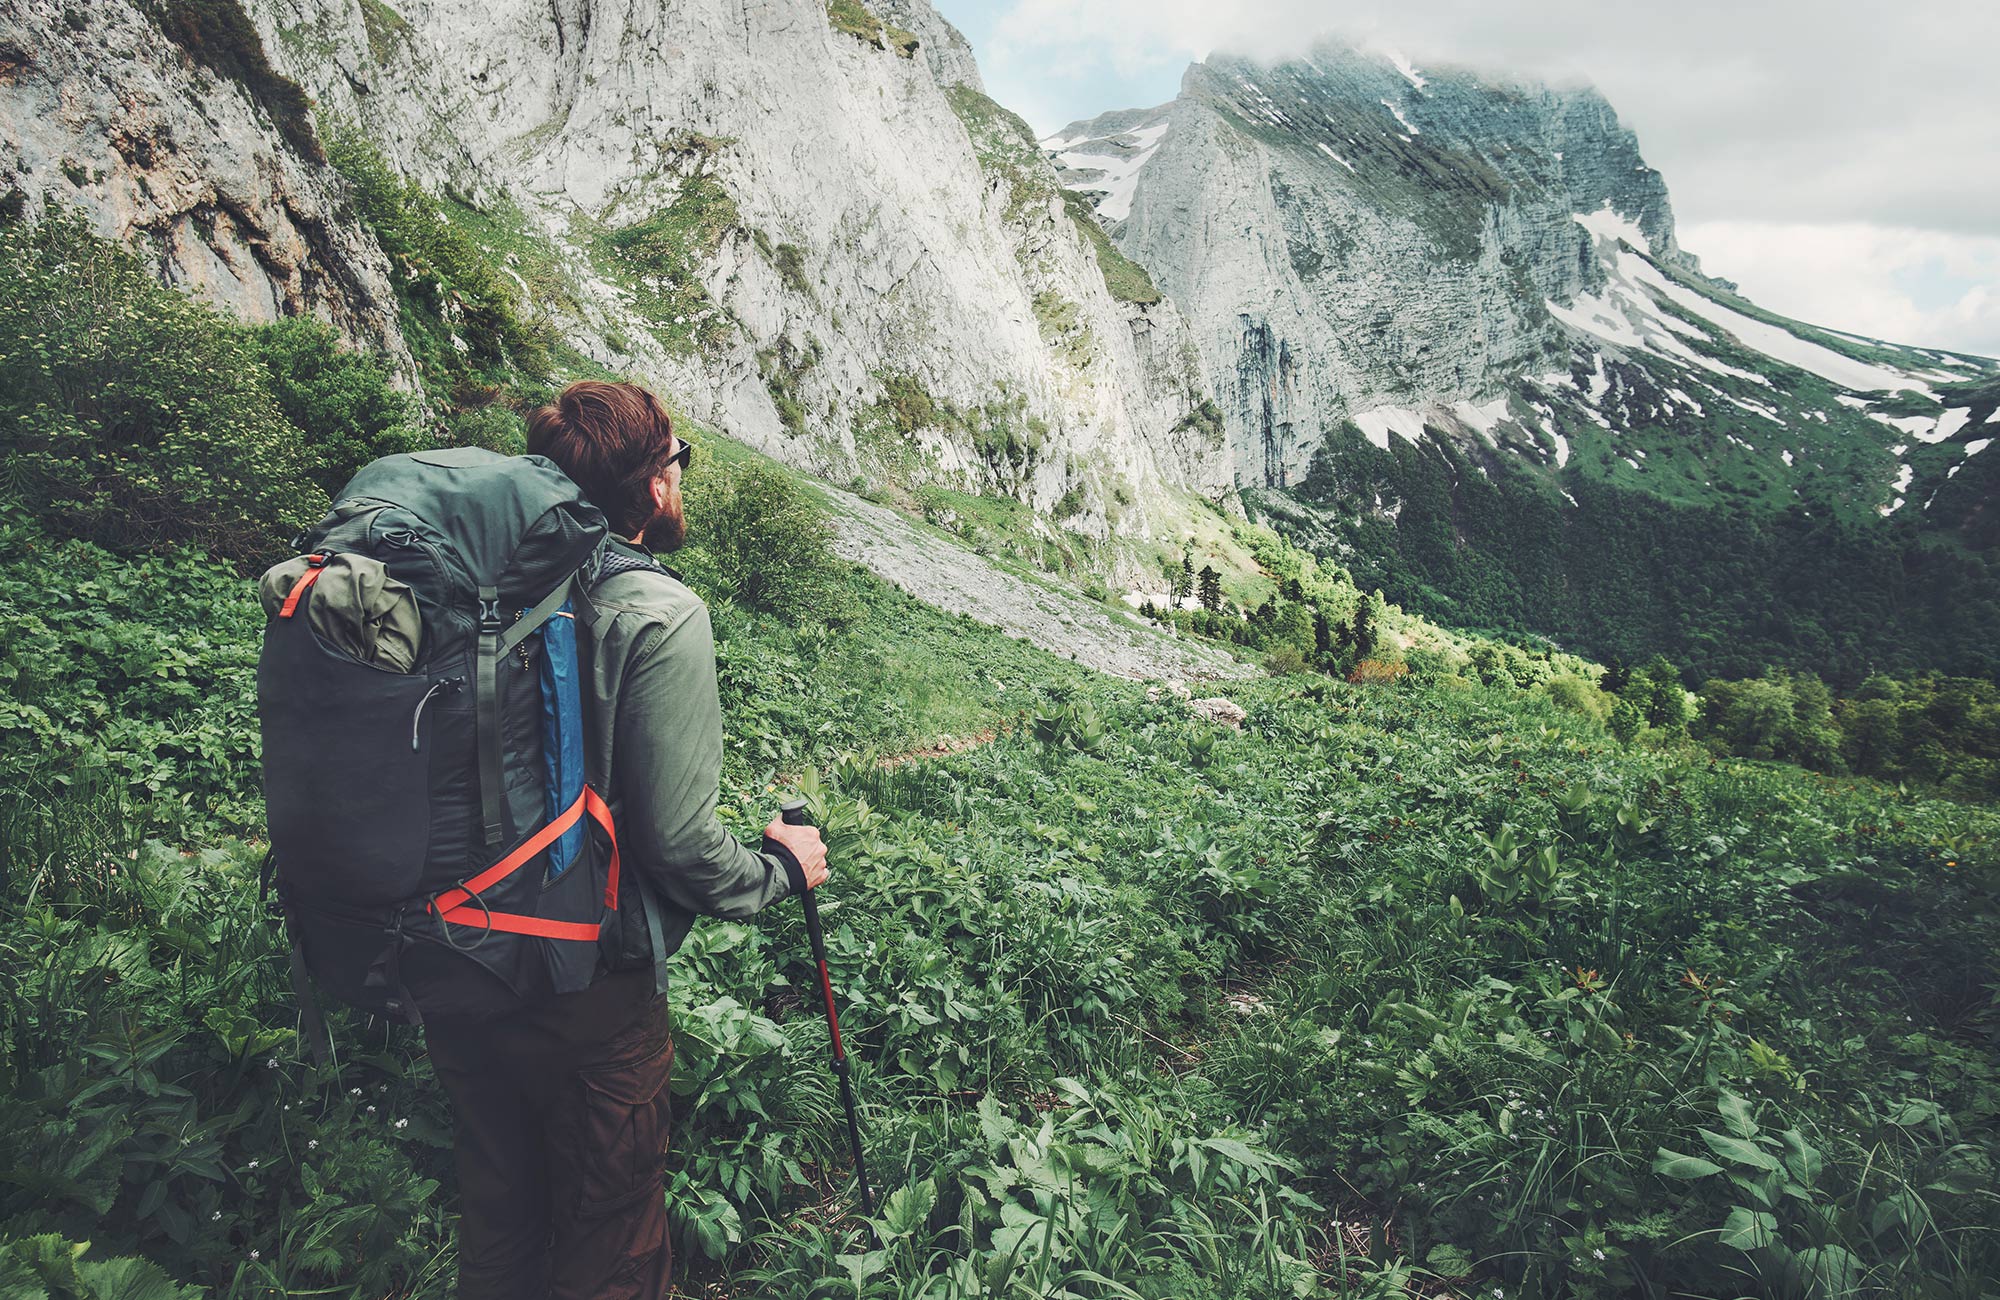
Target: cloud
[(1780, 110), (1929, 288)]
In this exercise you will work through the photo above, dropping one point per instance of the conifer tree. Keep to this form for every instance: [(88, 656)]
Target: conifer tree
[(1363, 637), (1211, 588)]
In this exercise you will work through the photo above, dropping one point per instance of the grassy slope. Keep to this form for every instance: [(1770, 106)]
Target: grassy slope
[(1124, 990)]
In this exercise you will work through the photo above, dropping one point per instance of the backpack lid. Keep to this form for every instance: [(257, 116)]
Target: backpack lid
[(518, 523)]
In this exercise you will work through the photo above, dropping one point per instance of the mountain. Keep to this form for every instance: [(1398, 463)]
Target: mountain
[(1436, 324), (805, 222), (1449, 326)]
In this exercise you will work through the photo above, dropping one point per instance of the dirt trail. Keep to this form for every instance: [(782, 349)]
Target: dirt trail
[(959, 581)]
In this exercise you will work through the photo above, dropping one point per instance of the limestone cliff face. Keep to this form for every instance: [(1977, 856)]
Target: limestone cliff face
[(874, 295), (1348, 235), (105, 114), (799, 224)]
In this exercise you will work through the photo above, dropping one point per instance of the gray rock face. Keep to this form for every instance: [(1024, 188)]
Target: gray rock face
[(945, 49), (105, 114), (871, 254), (1348, 238), (870, 292)]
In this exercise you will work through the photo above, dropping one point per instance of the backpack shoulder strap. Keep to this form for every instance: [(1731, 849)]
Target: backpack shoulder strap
[(609, 564)]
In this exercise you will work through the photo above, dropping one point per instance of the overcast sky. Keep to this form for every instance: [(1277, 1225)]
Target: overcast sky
[(1841, 160)]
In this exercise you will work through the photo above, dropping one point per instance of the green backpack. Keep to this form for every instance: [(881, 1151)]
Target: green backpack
[(434, 847)]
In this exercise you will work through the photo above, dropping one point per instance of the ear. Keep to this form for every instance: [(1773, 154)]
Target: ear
[(659, 488)]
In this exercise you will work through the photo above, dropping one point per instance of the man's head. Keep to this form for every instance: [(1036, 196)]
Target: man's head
[(618, 443)]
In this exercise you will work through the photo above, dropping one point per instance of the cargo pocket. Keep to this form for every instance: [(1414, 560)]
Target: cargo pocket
[(626, 1111)]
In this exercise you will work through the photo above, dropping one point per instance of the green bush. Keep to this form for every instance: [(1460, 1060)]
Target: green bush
[(495, 426), (461, 316), (339, 399), (134, 416), (761, 538), (1579, 695)]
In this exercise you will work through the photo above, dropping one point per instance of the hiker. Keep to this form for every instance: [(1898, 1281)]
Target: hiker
[(563, 1106)]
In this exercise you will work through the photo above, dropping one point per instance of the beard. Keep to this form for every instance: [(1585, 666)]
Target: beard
[(667, 529)]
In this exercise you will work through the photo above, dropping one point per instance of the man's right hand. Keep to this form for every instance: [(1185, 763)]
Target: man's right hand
[(805, 845)]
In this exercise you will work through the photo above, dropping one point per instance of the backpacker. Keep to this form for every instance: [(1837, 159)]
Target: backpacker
[(434, 846)]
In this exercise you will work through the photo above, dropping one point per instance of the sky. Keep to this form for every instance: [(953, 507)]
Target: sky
[(1840, 160)]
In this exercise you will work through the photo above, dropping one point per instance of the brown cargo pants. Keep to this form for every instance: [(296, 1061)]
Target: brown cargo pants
[(562, 1117)]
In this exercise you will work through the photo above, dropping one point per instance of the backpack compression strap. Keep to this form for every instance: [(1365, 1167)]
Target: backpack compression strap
[(461, 904), (495, 644), (317, 566)]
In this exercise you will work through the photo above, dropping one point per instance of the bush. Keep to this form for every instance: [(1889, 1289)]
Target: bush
[(1579, 696), (132, 415), (339, 398), (495, 427), (1284, 661), (762, 538), (1378, 672)]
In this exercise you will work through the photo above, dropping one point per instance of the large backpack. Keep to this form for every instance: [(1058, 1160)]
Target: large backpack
[(434, 846)]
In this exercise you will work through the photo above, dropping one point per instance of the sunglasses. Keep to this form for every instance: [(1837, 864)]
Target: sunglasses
[(683, 456)]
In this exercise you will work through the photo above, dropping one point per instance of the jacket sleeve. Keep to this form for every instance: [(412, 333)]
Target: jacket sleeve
[(669, 764)]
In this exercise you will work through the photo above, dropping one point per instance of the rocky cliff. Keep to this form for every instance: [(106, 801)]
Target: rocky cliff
[(193, 147), (1348, 234), (805, 221), (1367, 250)]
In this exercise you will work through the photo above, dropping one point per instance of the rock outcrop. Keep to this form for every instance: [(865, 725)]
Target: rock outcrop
[(208, 164)]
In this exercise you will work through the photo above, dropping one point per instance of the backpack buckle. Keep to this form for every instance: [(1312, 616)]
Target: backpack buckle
[(489, 615)]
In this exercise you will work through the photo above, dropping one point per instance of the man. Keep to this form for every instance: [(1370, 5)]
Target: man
[(563, 1108)]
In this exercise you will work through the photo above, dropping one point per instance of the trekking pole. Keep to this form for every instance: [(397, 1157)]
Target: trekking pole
[(793, 812)]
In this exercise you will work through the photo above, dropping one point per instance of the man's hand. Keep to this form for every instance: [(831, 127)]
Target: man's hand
[(805, 845)]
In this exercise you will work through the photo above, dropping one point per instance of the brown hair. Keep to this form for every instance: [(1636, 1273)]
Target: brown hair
[(612, 439)]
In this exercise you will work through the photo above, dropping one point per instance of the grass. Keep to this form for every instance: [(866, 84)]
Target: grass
[(1129, 996), (857, 20), (659, 259)]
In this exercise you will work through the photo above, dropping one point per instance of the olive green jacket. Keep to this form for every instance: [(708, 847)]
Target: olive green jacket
[(655, 753)]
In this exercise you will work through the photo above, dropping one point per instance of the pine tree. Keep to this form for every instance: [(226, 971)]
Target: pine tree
[(1211, 588), (1363, 636)]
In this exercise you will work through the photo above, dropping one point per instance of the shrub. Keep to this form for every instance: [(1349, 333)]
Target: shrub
[(761, 537), (1579, 696), (1284, 661), (461, 316), (1378, 672), (133, 415), (339, 398), (495, 427)]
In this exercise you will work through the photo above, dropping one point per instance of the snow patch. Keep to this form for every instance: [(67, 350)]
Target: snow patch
[(1117, 172), (1483, 418), (1787, 456), (1924, 428), (1685, 400), (1402, 121), (1756, 408), (1858, 403), (1378, 424), (1789, 348), (1951, 422), (1572, 500), (1336, 157), (1403, 65), (1606, 223), (1974, 447)]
